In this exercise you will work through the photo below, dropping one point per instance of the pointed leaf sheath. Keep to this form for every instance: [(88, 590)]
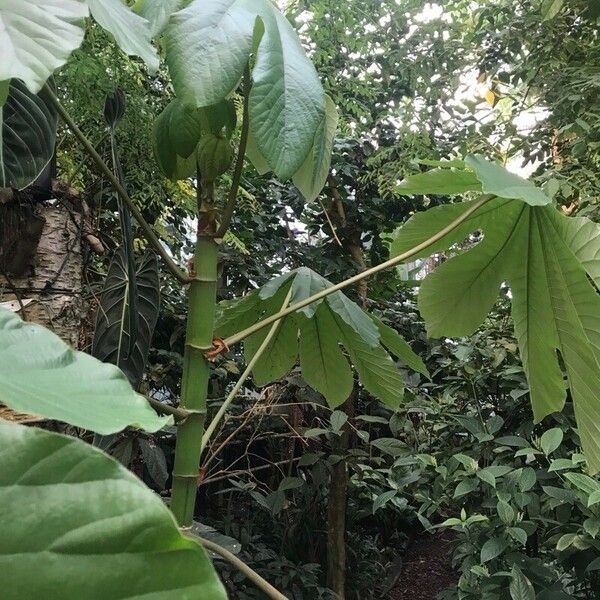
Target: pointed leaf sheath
[(57, 382), (69, 509)]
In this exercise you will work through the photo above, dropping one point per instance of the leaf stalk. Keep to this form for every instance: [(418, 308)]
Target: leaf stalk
[(392, 262)]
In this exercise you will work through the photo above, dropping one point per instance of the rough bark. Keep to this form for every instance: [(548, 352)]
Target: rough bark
[(47, 281)]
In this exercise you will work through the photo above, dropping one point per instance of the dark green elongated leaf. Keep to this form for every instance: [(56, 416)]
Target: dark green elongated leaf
[(69, 508), (37, 37), (554, 305), (154, 461), (400, 348), (27, 135), (496, 180), (312, 176), (131, 31), (439, 181), (324, 366), (112, 336), (129, 314), (57, 382)]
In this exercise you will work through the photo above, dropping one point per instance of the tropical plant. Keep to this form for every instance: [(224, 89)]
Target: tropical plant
[(287, 127)]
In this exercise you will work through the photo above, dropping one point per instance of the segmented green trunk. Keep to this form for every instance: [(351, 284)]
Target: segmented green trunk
[(196, 373)]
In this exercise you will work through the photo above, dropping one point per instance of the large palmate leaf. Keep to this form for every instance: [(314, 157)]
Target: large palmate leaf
[(131, 31), (76, 524), (208, 47), (112, 338), (546, 258), (311, 177), (317, 336), (37, 37), (40, 374), (27, 135)]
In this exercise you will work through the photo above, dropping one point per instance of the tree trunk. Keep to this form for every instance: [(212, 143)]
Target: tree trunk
[(41, 266)]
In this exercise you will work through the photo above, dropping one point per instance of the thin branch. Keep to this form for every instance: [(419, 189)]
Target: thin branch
[(180, 414), (239, 163), (253, 576), (89, 148), (392, 262), (331, 225), (240, 382)]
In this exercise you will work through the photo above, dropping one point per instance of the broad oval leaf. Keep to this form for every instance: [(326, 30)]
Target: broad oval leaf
[(69, 508), (287, 102), (444, 181), (28, 135), (37, 37), (205, 34), (131, 31), (41, 375)]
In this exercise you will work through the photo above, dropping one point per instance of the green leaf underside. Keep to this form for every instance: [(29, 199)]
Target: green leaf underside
[(480, 175), (157, 13), (317, 335), (57, 382), (75, 520), (439, 181), (208, 47), (37, 37), (112, 335), (130, 30), (27, 135), (400, 348), (312, 175), (543, 255)]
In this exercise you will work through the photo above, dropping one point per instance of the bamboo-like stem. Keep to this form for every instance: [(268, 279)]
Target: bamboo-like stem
[(239, 163), (106, 171), (196, 372), (392, 262), (253, 576), (240, 382)]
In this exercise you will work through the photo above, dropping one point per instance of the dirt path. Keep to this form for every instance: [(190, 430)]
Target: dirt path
[(427, 569)]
